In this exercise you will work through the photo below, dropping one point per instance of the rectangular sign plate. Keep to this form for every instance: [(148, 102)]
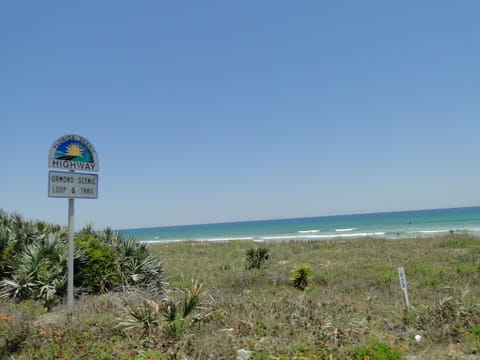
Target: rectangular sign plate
[(72, 185)]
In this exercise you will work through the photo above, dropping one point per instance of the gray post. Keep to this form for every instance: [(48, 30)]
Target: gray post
[(403, 285), (70, 252)]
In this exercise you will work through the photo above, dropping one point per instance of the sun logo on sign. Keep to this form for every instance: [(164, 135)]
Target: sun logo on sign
[(71, 151), (74, 150)]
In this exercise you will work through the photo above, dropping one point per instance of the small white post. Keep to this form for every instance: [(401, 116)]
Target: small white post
[(403, 285), (70, 252)]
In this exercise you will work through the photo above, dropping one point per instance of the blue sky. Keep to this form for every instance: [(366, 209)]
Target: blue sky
[(213, 111)]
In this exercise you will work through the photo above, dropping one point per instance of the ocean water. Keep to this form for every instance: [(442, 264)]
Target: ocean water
[(400, 224)]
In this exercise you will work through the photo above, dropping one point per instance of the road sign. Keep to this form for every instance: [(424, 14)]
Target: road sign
[(65, 184), (73, 152)]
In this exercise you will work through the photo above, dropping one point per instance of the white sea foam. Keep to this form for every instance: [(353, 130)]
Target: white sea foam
[(224, 239), (428, 231), (346, 229), (308, 231), (165, 241), (306, 236), (433, 231), (321, 236)]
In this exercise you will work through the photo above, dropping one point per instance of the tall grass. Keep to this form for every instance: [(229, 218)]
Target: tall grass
[(352, 306), (353, 296)]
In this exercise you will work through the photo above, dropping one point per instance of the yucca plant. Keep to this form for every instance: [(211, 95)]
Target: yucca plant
[(175, 324), (300, 275), (192, 297), (175, 328), (189, 303)]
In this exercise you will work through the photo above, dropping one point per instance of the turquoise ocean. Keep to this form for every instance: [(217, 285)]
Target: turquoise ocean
[(399, 224)]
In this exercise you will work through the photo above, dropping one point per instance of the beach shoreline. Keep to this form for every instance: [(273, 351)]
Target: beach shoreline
[(390, 225), (331, 238)]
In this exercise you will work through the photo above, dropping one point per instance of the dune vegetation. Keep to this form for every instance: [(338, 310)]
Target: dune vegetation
[(332, 299)]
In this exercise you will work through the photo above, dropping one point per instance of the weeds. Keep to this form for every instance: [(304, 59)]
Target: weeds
[(357, 311), (448, 317)]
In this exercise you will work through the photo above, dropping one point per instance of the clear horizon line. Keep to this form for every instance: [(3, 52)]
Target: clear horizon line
[(296, 217)]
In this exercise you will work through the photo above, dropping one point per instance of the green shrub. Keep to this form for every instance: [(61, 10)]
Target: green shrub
[(33, 261), (108, 261), (476, 332), (97, 269), (256, 257), (377, 350)]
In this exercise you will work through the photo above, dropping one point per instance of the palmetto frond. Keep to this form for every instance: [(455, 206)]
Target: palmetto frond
[(129, 247), (30, 261), (141, 271), (18, 288), (145, 317)]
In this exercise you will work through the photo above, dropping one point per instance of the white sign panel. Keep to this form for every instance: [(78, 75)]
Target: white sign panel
[(72, 185)]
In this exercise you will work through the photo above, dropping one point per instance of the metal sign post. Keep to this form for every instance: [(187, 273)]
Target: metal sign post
[(71, 227), (72, 152)]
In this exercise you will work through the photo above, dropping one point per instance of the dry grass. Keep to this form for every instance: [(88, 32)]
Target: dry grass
[(353, 297), (354, 294)]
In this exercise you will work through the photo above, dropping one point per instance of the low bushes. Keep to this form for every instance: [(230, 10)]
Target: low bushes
[(33, 263)]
